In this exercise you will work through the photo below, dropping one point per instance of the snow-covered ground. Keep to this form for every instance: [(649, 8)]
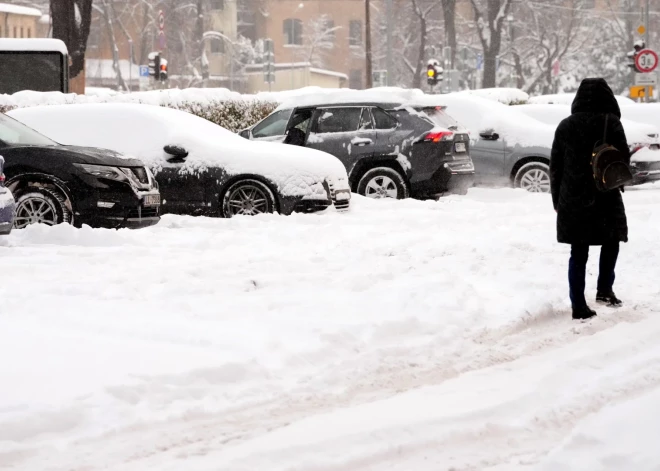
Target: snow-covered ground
[(402, 335)]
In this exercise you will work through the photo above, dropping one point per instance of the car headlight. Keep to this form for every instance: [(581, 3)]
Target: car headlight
[(103, 171)]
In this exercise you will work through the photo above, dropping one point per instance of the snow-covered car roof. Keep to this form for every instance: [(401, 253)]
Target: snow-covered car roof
[(648, 113), (386, 96), (481, 114), (143, 130), (636, 132), (567, 99), (33, 44)]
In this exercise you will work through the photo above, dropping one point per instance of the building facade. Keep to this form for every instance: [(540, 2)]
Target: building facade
[(22, 22)]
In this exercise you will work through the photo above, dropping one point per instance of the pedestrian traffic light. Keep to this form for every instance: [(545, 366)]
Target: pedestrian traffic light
[(162, 75), (154, 64)]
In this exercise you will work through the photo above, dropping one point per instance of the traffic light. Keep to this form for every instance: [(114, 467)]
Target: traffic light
[(154, 64), (162, 67), (632, 55), (433, 73)]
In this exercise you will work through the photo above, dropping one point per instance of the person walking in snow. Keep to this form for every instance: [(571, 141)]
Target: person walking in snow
[(586, 216)]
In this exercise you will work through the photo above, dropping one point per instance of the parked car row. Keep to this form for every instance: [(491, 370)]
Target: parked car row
[(123, 165), (391, 150)]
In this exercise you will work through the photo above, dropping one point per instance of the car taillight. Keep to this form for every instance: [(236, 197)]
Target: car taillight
[(437, 136), (2, 179)]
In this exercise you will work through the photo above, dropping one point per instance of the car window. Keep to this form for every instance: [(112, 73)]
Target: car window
[(338, 120), (366, 123), (273, 125), (14, 133), (301, 119), (383, 120)]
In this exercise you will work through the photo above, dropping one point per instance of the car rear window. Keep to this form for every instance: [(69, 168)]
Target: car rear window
[(438, 117)]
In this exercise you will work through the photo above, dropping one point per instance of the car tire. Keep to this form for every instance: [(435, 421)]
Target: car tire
[(383, 182), (247, 197), (41, 205), (533, 177)]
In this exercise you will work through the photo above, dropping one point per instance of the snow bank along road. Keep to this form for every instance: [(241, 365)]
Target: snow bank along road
[(403, 335)]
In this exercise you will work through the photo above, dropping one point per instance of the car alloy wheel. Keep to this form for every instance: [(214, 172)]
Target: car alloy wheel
[(381, 187), (39, 206), (534, 178), (247, 198), (382, 183)]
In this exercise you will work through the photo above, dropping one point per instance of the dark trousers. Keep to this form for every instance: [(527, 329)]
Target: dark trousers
[(577, 267)]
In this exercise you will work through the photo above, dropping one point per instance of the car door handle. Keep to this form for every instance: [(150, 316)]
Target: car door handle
[(361, 142)]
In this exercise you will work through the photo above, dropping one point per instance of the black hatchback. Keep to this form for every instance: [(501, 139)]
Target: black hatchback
[(390, 150), (55, 184)]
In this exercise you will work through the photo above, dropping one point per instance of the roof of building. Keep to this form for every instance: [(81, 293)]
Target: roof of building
[(19, 10)]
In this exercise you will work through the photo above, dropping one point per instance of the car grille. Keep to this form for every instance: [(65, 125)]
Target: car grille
[(647, 166), (341, 205), (144, 213)]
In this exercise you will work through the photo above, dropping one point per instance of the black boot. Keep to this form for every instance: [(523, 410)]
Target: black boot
[(608, 298), (585, 312)]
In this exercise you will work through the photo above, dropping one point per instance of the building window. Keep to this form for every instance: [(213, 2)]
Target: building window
[(0, 31), (293, 32), (355, 79), (218, 45), (217, 4), (22, 32), (355, 33), (15, 32), (29, 33), (329, 31)]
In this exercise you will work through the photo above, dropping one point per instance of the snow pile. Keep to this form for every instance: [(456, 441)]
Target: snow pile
[(335, 342), (507, 96), (143, 131), (637, 131), (567, 99)]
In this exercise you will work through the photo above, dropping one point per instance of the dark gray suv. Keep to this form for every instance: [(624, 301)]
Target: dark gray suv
[(390, 150)]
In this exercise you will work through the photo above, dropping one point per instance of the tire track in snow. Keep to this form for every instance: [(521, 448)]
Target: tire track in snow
[(201, 434)]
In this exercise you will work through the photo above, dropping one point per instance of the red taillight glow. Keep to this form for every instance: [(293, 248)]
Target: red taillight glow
[(437, 136), (2, 177)]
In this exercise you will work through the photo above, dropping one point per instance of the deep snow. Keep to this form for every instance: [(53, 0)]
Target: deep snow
[(400, 335)]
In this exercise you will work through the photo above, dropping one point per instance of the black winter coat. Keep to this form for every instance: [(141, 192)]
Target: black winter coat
[(584, 214)]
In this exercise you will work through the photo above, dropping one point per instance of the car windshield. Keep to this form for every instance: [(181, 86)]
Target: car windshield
[(14, 133), (440, 118), (274, 125)]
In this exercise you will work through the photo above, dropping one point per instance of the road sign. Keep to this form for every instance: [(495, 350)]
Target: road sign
[(144, 71), (639, 91), (641, 30), (646, 60), (161, 20), (646, 79)]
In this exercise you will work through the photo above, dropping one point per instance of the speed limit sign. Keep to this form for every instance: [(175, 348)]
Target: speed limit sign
[(646, 60), (161, 20)]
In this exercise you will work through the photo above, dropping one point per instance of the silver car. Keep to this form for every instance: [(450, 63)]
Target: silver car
[(507, 147)]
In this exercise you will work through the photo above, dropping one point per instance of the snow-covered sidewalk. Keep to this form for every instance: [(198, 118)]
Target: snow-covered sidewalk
[(401, 335)]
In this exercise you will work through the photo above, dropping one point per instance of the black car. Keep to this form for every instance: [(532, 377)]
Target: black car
[(55, 184), (390, 150)]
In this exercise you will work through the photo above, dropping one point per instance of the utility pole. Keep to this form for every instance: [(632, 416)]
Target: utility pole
[(367, 30), (390, 68), (647, 35)]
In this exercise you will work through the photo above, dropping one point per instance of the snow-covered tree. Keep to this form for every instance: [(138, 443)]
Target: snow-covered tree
[(71, 21)]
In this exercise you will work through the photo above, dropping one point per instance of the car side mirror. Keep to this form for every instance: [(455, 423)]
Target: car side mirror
[(245, 133), (489, 135), (178, 154)]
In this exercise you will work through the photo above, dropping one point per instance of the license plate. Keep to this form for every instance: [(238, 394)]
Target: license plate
[(460, 147), (151, 200)]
